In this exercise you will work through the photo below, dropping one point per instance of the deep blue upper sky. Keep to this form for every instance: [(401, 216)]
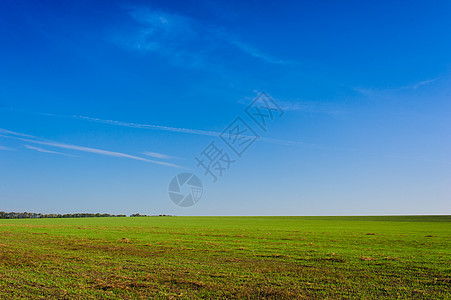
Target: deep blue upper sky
[(364, 86)]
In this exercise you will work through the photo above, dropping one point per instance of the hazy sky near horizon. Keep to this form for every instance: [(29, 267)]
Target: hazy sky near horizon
[(102, 103)]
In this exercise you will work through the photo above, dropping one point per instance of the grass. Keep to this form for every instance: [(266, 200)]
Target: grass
[(226, 257)]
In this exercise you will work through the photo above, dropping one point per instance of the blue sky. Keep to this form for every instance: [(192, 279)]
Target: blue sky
[(102, 103)]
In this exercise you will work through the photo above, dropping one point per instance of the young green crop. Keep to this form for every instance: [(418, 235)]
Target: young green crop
[(226, 257)]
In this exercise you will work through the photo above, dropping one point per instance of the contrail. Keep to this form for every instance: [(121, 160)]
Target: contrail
[(216, 134), (46, 151), (169, 128), (190, 131), (148, 126), (35, 140)]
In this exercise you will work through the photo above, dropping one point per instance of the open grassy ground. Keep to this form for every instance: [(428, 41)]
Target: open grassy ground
[(226, 257)]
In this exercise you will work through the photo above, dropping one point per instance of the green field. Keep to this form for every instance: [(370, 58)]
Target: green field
[(226, 257)]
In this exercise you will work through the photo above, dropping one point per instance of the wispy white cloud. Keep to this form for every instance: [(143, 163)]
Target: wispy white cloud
[(169, 129), (6, 148), (313, 107), (411, 87), (31, 139), (307, 106), (162, 128), (254, 52), (422, 83), (36, 140), (46, 151), (303, 106), (101, 152), (172, 36), (149, 126), (183, 40), (9, 132), (194, 131), (158, 155)]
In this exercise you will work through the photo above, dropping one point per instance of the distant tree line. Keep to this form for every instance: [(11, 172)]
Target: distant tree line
[(27, 215)]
